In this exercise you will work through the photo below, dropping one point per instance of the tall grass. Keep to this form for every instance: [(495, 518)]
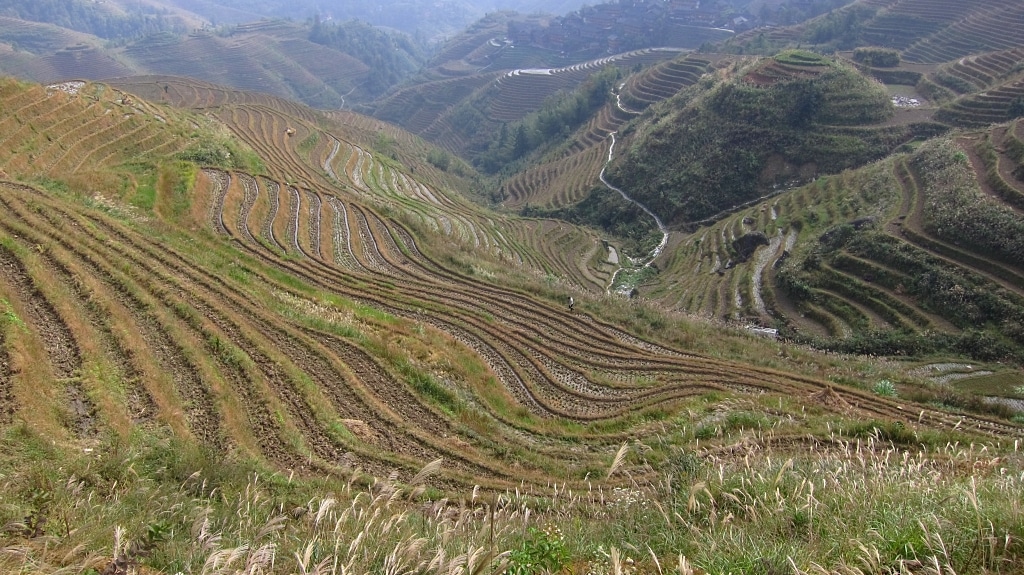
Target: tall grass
[(840, 506)]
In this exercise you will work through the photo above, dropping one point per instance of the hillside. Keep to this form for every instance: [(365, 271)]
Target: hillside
[(915, 254), (324, 65), (657, 311), (763, 125), (281, 325)]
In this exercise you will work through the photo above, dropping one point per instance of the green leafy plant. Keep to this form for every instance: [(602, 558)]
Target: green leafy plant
[(885, 388), (543, 551), (8, 317)]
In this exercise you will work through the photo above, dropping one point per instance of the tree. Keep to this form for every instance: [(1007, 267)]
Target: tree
[(1017, 107), (522, 142)]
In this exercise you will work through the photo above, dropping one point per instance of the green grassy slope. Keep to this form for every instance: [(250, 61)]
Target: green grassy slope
[(761, 126)]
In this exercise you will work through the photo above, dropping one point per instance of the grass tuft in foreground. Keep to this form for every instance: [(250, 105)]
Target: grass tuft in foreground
[(846, 504)]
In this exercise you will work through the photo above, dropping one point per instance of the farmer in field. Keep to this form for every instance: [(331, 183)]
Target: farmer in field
[(572, 303)]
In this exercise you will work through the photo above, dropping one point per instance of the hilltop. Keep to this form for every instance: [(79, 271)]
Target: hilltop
[(762, 125)]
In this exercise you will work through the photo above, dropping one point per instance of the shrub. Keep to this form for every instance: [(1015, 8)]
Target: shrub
[(877, 57), (956, 210), (543, 551), (439, 159), (885, 388)]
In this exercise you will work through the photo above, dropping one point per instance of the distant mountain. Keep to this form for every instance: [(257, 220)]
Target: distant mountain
[(113, 20), (327, 66), (428, 19)]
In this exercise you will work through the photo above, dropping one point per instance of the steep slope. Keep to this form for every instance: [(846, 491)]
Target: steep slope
[(924, 31), (764, 124), (916, 254), (323, 65), (308, 316)]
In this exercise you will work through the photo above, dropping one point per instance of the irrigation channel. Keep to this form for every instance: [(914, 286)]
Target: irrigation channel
[(653, 255)]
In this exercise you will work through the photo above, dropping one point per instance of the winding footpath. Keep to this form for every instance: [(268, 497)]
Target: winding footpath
[(618, 101), (661, 225)]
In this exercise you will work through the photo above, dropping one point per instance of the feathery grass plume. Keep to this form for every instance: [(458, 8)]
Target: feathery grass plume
[(654, 557), (305, 563), (272, 525), (325, 506), (428, 470), (262, 558), (616, 562), (683, 566), (220, 561), (620, 458)]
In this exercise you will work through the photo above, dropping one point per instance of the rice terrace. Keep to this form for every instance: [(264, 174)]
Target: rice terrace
[(644, 288)]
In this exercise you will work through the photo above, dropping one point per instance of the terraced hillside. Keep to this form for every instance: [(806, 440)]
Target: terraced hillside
[(663, 80), (454, 112), (310, 317), (923, 31), (76, 132), (341, 150), (759, 125), (900, 257), (980, 90), (276, 57), (567, 175)]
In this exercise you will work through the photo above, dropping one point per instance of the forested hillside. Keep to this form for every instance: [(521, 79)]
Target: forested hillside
[(106, 20), (760, 125), (328, 65)]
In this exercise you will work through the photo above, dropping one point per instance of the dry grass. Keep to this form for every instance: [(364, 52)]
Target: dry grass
[(850, 507)]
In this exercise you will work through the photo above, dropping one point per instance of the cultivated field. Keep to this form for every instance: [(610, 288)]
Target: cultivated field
[(241, 335)]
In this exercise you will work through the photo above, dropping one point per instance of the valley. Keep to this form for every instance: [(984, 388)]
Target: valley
[(739, 308)]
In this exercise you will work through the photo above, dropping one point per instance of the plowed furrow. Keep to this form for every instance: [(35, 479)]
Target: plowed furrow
[(268, 430), (8, 405), (497, 363), (195, 397), (67, 128), (260, 419), (382, 234), (416, 443), (343, 255), (372, 257), (252, 192), (429, 427), (555, 336), (101, 151), (768, 382), (267, 226), (357, 295), (271, 369), (292, 226), (221, 182), (243, 381), (58, 341), (531, 365), (329, 162), (642, 343), (523, 314), (29, 118), (315, 206), (584, 404), (583, 331), (141, 407)]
